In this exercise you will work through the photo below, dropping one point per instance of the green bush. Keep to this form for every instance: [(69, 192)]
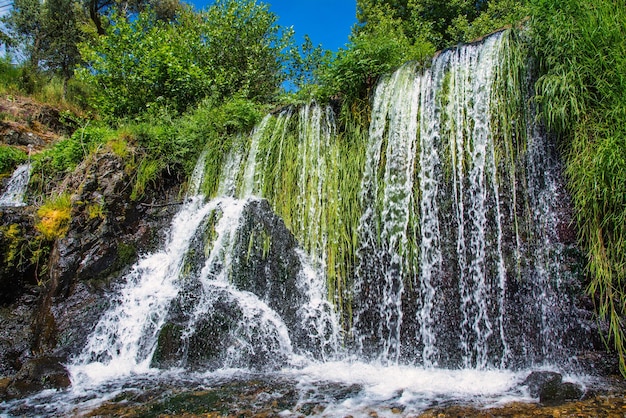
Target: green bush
[(372, 52), (9, 74), (67, 153), (10, 157), (212, 128), (146, 63)]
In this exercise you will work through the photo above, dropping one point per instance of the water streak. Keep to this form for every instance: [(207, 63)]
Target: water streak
[(16, 187)]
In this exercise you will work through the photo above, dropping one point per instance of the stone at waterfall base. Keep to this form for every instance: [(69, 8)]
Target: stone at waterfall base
[(36, 375), (550, 388)]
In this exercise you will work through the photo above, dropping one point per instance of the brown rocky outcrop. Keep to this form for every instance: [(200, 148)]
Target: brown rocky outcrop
[(26, 122)]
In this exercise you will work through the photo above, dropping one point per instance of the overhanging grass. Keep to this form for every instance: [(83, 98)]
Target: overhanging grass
[(581, 50)]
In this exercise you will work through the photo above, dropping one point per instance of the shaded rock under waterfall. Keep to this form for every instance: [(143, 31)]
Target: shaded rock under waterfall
[(264, 262)]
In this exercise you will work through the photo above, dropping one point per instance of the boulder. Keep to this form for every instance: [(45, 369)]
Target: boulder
[(265, 261), (212, 326), (38, 374), (549, 387)]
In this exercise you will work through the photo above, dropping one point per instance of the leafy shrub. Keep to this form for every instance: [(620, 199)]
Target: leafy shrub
[(67, 153), (145, 63), (10, 157), (372, 52), (9, 74)]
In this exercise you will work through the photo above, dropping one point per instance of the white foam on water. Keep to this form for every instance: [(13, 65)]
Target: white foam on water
[(409, 389)]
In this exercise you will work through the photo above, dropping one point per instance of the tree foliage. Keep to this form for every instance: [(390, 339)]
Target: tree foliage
[(374, 49), (232, 48), (244, 47), (26, 28), (444, 23), (304, 66), (100, 10), (63, 19), (145, 62), (48, 33)]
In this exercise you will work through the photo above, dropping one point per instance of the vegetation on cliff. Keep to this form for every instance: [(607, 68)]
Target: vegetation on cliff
[(581, 52), (156, 81)]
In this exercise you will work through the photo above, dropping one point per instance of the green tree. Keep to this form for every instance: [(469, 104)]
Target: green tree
[(25, 24), (305, 64), (374, 49), (444, 23), (100, 10), (244, 49), (234, 47), (47, 33), (62, 20), (146, 62)]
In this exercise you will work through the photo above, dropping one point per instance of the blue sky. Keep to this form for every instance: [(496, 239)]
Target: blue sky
[(327, 22)]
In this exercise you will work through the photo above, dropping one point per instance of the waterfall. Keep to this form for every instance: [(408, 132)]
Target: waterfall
[(443, 236), (199, 287), (250, 186), (15, 190), (396, 115), (429, 240)]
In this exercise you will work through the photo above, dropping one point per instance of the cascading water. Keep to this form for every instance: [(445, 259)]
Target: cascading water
[(198, 287), (16, 187), (398, 113), (435, 223), (424, 265)]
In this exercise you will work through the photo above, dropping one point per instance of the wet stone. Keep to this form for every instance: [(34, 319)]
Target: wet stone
[(38, 374), (549, 387)]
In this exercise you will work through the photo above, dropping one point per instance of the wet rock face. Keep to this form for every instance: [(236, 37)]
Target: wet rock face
[(264, 262), (17, 272), (107, 229), (203, 344), (39, 374), (16, 334), (75, 318), (51, 315)]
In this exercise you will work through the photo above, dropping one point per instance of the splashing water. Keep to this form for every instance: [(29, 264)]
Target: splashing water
[(16, 187)]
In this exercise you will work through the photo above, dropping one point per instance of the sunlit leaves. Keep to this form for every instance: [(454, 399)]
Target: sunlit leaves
[(232, 48)]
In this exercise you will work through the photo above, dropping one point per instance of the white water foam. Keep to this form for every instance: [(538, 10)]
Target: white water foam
[(380, 388), (123, 339)]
